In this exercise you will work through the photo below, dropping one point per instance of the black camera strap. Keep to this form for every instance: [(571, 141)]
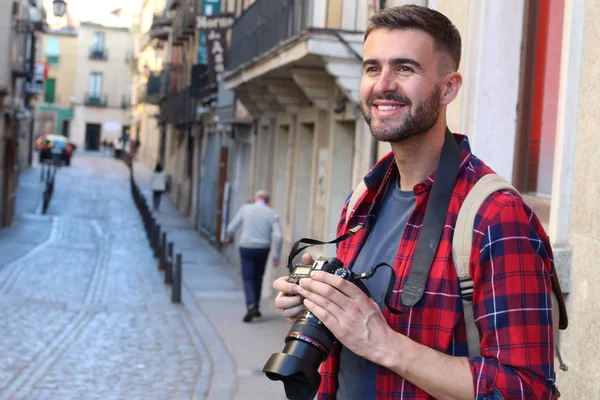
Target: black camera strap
[(431, 231), (313, 242), (433, 222)]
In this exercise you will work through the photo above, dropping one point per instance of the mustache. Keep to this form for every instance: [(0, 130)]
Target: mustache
[(391, 97)]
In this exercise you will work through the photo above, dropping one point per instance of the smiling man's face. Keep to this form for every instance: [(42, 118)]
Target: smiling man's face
[(400, 88)]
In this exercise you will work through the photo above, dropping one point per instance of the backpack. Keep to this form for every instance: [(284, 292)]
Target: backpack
[(461, 249)]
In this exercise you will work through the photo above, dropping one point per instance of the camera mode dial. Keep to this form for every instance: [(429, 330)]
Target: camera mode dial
[(343, 273)]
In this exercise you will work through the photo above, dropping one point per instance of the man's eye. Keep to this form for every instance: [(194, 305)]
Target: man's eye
[(404, 68), (371, 69)]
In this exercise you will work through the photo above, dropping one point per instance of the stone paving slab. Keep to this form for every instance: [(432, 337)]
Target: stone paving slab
[(85, 312)]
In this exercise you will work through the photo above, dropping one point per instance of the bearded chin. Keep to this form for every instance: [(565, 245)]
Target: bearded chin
[(424, 118)]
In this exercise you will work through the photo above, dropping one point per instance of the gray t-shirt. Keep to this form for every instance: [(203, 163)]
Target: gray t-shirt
[(357, 376)]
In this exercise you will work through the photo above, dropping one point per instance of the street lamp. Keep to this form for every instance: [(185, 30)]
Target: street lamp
[(59, 7)]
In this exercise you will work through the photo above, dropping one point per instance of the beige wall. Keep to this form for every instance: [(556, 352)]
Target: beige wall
[(116, 76), (65, 70), (5, 40), (580, 341), (149, 134)]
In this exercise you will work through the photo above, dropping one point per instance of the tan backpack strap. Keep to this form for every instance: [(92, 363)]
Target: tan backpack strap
[(461, 248), (360, 189)]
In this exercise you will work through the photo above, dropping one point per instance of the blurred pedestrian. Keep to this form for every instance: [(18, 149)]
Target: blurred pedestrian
[(158, 185), (259, 227)]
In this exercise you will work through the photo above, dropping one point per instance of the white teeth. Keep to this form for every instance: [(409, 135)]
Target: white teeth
[(387, 108)]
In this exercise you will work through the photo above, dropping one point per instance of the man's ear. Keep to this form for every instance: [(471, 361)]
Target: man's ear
[(452, 85)]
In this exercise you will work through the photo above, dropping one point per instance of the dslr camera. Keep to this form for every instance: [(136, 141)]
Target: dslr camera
[(308, 342)]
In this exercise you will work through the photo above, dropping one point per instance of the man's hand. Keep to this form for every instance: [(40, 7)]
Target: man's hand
[(288, 300), (353, 318)]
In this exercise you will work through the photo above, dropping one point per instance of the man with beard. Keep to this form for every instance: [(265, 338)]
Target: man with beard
[(411, 57)]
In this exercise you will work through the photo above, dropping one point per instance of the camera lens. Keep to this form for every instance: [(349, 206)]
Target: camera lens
[(307, 345)]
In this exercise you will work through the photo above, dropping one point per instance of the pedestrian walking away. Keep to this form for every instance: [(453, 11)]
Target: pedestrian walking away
[(408, 337), (158, 185), (258, 227)]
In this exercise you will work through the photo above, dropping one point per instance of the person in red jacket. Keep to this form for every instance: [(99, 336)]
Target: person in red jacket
[(410, 62)]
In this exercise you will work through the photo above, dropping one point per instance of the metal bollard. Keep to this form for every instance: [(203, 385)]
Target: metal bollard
[(163, 251), (149, 229), (177, 277), (156, 240), (169, 266)]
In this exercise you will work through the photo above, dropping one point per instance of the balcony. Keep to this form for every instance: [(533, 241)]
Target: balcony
[(125, 103), (52, 59), (169, 78), (203, 87), (153, 89), (95, 100), (305, 42), (184, 21), (264, 26), (160, 27), (178, 109), (98, 54)]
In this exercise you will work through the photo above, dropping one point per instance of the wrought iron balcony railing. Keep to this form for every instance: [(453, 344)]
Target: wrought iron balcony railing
[(53, 59), (184, 20), (179, 108), (264, 26), (96, 100), (160, 27), (98, 53)]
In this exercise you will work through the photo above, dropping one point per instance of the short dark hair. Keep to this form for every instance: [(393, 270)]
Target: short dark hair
[(445, 35)]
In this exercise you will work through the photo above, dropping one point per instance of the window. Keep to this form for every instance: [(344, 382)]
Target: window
[(98, 41), (49, 89), (95, 87), (211, 7), (52, 50)]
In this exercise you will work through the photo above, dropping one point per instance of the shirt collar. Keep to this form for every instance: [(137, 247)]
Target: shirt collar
[(260, 203), (386, 165)]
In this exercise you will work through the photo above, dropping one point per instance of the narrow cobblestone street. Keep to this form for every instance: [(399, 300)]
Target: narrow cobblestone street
[(85, 312)]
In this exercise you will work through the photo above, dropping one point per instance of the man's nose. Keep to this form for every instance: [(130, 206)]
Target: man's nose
[(387, 82)]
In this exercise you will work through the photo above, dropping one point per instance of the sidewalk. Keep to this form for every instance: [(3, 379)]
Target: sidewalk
[(213, 295)]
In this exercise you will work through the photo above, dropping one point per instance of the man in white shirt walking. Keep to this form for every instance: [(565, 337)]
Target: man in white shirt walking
[(259, 228)]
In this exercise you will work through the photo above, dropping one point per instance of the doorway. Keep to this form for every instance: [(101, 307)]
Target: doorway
[(66, 124), (92, 137), (304, 173), (281, 165), (10, 179), (341, 172)]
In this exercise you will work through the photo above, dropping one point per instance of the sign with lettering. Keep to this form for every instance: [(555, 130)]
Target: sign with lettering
[(215, 29), (40, 73), (209, 7)]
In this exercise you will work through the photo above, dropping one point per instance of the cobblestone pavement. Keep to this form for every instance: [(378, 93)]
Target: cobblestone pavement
[(85, 315)]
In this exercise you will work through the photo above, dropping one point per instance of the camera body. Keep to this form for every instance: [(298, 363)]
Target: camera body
[(308, 342), (301, 271)]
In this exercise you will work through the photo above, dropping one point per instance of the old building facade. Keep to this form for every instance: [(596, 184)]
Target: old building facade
[(54, 109), (151, 29), (102, 85), (21, 23)]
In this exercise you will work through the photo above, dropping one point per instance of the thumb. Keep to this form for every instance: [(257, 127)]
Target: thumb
[(307, 259)]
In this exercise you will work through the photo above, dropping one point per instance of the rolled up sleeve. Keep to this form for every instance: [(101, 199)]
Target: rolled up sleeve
[(511, 269)]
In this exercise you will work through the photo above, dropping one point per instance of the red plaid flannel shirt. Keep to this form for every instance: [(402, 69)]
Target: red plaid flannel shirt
[(511, 265)]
